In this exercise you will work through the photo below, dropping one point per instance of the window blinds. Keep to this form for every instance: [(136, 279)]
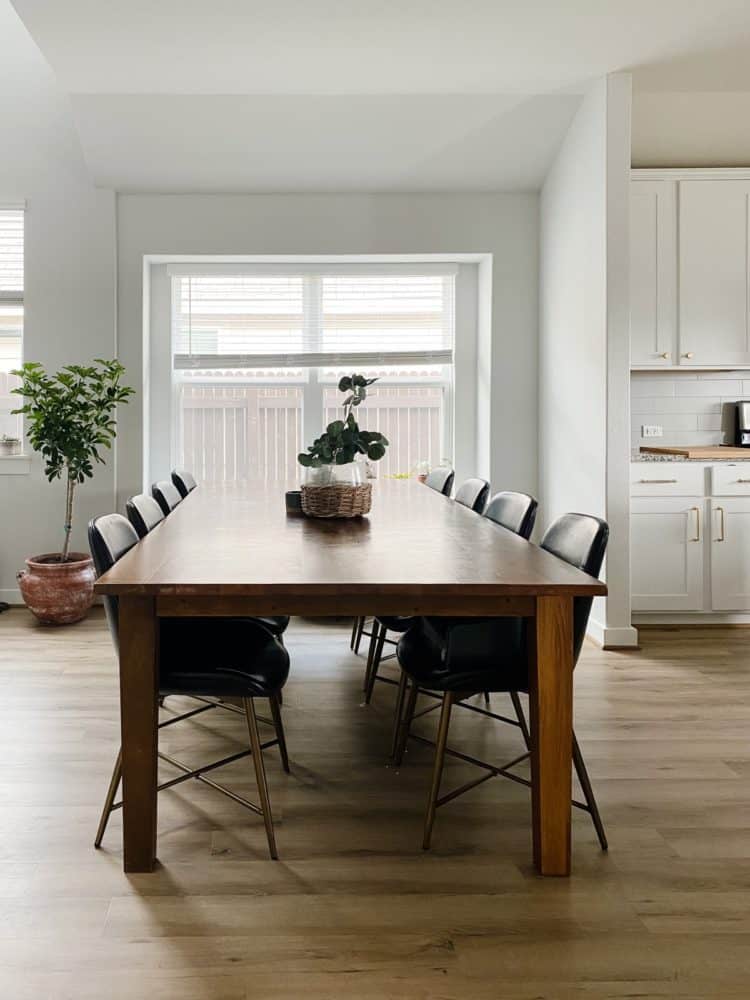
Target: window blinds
[(11, 253), (248, 320)]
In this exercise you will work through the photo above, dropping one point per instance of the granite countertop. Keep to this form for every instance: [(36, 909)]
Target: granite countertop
[(638, 456)]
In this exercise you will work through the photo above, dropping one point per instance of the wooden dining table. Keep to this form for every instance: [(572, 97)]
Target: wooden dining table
[(230, 550)]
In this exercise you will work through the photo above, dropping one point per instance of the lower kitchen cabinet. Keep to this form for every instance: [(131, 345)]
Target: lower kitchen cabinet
[(666, 537), (730, 553)]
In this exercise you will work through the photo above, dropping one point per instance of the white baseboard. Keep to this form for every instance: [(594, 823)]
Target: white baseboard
[(11, 596), (691, 618), (608, 638)]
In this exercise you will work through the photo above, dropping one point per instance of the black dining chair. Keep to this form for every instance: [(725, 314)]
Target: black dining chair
[(457, 658), (441, 480), (514, 511), (166, 495), (184, 481), (207, 659), (144, 513), (473, 493)]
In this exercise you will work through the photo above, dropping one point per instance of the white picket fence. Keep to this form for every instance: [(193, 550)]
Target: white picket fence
[(235, 432), (9, 424)]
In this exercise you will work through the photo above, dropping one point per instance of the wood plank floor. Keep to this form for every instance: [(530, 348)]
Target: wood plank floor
[(354, 908)]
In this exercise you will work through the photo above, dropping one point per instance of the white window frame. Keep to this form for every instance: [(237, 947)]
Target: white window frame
[(472, 318)]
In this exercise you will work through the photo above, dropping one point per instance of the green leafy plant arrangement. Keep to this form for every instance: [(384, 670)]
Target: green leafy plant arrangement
[(343, 440), (70, 417)]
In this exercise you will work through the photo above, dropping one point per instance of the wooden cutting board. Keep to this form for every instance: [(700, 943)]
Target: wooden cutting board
[(708, 453)]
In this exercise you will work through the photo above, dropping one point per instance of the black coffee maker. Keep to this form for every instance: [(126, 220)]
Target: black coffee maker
[(742, 425)]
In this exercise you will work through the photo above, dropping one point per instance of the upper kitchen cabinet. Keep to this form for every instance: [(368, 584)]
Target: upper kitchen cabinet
[(689, 270), (713, 267), (653, 273)]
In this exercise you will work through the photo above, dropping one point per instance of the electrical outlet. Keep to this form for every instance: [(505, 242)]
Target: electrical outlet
[(651, 430)]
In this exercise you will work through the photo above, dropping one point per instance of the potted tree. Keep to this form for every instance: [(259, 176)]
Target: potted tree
[(69, 420), (333, 486)]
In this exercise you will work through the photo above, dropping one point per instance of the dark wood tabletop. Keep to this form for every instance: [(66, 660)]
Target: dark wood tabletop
[(238, 539)]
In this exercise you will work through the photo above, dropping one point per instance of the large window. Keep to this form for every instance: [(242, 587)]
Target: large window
[(257, 356), (11, 314)]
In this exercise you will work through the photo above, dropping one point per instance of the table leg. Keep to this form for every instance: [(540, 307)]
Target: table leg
[(551, 704), (138, 628)]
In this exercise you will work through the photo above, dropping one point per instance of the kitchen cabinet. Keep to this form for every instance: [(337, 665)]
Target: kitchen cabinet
[(730, 554), (690, 269), (653, 273), (690, 537), (714, 249), (666, 537)]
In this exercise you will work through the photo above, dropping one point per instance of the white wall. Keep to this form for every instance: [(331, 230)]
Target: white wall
[(70, 279), (505, 225), (583, 339), (691, 128)]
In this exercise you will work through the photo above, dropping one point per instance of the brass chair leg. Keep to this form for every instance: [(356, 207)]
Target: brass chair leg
[(260, 773), (400, 699), (437, 772), (373, 671), (405, 725), (278, 725), (521, 718), (114, 784), (358, 636), (588, 793), (371, 654)]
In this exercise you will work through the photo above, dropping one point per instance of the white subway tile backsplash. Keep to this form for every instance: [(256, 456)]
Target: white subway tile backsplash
[(691, 407), (669, 404), (651, 387), (707, 387)]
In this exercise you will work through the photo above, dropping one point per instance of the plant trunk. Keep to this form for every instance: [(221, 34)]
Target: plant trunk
[(68, 518)]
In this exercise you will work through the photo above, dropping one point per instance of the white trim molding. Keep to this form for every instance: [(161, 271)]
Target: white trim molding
[(690, 173), (612, 638)]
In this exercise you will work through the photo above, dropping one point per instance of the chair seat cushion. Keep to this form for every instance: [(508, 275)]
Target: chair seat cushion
[(466, 654), (232, 657), (397, 623)]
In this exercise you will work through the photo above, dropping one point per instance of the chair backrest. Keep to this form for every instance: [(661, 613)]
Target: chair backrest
[(110, 537), (473, 493), (184, 481), (144, 513), (441, 480), (166, 495), (581, 540), (514, 511)]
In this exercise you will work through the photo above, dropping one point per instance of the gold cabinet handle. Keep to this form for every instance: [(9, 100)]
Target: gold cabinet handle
[(697, 536), (657, 480), (743, 480), (688, 354), (721, 522), (665, 355)]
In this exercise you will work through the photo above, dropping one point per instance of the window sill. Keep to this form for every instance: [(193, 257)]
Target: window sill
[(15, 465)]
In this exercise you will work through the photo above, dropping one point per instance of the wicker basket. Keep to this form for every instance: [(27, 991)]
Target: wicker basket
[(337, 500)]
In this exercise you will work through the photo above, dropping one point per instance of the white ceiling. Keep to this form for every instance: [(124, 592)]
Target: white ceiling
[(372, 46), (321, 95), (292, 143)]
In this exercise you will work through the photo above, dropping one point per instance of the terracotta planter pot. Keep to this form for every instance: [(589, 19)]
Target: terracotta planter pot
[(58, 593)]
